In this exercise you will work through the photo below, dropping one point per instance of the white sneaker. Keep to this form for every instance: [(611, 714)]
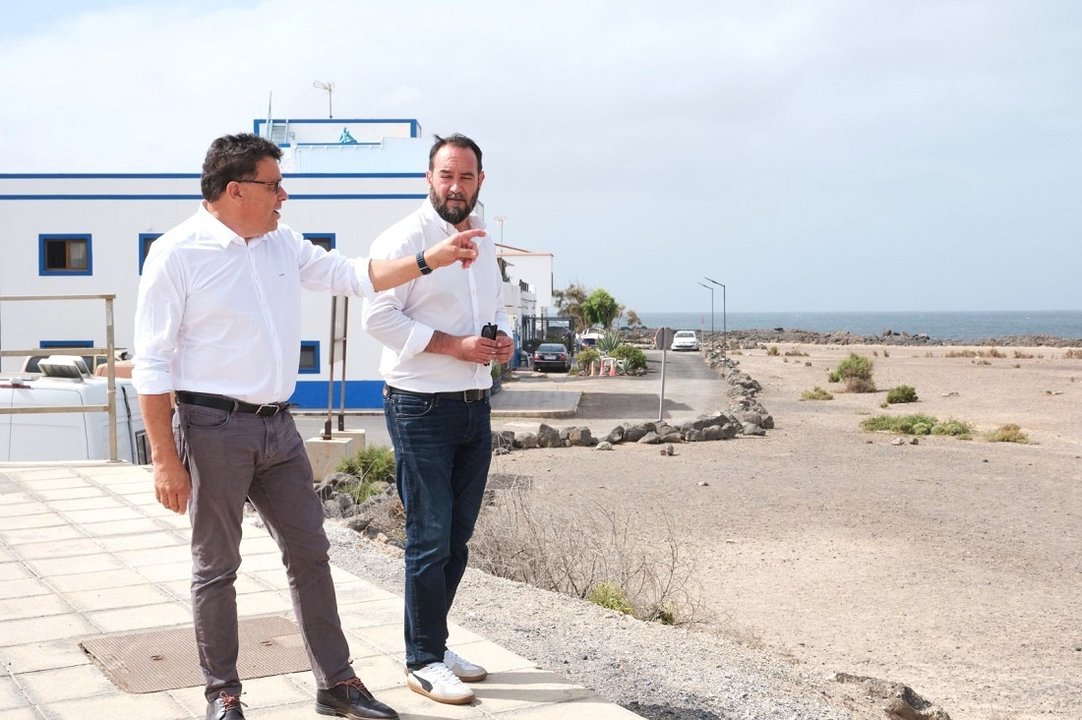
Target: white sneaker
[(463, 668), (436, 681)]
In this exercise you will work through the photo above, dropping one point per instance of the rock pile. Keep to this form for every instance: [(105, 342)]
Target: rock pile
[(745, 416)]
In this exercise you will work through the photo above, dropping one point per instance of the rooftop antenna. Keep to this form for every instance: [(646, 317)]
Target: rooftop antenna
[(327, 87)]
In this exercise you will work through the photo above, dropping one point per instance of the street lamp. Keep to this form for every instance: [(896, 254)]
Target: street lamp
[(711, 308), (724, 339)]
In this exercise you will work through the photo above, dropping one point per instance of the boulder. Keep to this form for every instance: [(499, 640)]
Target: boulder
[(548, 437), (616, 435)]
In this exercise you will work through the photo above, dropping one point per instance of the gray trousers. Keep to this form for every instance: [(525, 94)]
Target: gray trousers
[(233, 456)]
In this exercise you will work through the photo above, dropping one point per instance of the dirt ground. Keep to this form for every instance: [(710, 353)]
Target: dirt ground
[(952, 566)]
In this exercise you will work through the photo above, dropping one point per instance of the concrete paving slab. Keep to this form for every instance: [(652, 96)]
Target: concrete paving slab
[(80, 558)]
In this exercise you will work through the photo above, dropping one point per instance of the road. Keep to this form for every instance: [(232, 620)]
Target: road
[(692, 388)]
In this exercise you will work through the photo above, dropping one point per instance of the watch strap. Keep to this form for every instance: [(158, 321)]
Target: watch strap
[(421, 264)]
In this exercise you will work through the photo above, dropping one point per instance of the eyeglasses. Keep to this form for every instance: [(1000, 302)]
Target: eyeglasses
[(274, 185)]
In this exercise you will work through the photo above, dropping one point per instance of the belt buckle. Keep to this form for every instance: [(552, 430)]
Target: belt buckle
[(268, 410), (473, 395)]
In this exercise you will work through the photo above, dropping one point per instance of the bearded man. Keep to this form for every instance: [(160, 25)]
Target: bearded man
[(440, 336)]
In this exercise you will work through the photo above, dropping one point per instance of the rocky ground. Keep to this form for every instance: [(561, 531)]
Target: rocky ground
[(825, 553)]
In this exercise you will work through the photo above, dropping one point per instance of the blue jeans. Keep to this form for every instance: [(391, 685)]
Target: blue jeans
[(443, 448)]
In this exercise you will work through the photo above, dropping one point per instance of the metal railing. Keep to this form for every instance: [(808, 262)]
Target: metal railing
[(110, 358)]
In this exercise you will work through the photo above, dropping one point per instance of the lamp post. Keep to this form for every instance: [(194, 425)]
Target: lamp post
[(724, 339), (711, 308)]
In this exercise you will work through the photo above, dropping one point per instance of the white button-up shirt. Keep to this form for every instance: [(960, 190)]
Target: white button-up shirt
[(217, 314), (451, 300)]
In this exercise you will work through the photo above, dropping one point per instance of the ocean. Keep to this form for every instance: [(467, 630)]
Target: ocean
[(966, 326)]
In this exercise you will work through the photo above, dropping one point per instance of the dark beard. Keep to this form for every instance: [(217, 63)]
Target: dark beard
[(453, 215)]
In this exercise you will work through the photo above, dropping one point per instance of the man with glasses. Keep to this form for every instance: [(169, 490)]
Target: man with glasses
[(218, 324)]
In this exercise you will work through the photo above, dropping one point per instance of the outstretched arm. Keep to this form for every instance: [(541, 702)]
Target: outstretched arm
[(389, 273)]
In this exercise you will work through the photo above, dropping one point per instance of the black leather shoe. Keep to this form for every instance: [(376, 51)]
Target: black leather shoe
[(351, 699), (225, 707)]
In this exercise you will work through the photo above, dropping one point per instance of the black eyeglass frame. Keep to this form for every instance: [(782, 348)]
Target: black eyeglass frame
[(274, 185)]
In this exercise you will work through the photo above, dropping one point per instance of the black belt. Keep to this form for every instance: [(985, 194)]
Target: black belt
[(221, 402), (463, 395)]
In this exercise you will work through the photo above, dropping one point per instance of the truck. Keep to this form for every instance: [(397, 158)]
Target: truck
[(34, 434)]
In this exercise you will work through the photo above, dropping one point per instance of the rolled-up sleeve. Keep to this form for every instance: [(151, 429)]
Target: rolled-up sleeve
[(159, 312), (383, 319)]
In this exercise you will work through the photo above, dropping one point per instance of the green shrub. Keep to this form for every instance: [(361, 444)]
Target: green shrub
[(634, 358), (587, 357), (817, 393), (612, 596), (1008, 433), (902, 394), (833, 376), (855, 366), (373, 467), (608, 342), (955, 428), (918, 424), (772, 350)]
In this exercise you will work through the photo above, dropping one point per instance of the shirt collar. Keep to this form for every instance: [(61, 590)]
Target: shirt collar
[(216, 229)]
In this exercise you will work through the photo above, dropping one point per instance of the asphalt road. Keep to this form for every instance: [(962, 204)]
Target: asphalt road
[(691, 389)]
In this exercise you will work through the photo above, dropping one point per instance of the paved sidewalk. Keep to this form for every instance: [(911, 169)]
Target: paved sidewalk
[(85, 550)]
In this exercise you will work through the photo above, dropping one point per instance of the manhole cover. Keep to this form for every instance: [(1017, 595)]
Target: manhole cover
[(145, 662)]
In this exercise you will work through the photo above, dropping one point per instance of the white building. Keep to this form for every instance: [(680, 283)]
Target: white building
[(79, 234)]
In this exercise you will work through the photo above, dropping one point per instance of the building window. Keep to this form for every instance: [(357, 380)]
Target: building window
[(324, 240), (309, 357), (64, 255), (145, 241)]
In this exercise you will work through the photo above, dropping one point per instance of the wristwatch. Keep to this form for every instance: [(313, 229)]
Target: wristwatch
[(425, 269)]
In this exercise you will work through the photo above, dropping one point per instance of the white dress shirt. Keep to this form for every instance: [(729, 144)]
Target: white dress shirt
[(451, 300), (217, 314)]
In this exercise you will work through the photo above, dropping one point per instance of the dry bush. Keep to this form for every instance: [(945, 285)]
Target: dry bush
[(578, 552), (1073, 354), (960, 354), (859, 385)]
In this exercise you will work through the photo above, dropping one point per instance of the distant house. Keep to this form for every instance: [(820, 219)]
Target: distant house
[(76, 234)]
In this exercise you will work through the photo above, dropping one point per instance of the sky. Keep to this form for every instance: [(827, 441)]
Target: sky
[(839, 155)]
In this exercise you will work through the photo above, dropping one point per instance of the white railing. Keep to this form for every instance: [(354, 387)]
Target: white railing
[(110, 358)]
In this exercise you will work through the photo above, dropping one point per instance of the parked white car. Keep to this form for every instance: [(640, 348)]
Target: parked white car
[(56, 436), (685, 340)]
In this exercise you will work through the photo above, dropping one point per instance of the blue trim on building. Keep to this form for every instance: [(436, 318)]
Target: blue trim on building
[(45, 237), (187, 176), (360, 394), (101, 197), (96, 176), (352, 175), (314, 370), (45, 344), (145, 241), (357, 196), (415, 125), (369, 143), (362, 196)]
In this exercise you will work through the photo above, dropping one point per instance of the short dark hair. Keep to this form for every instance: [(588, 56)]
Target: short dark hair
[(233, 157), (458, 140)]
